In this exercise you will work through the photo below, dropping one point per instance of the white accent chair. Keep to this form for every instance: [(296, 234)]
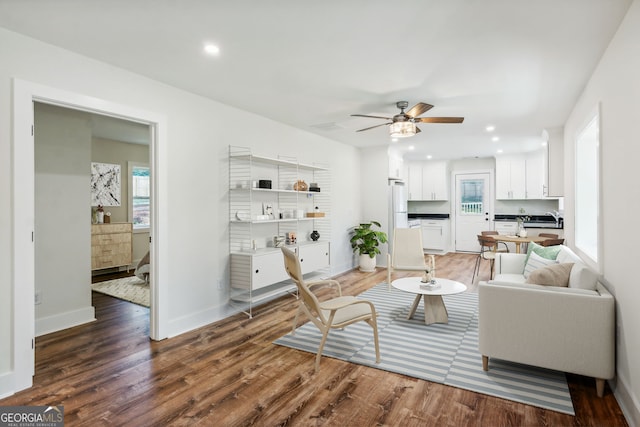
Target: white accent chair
[(336, 313), (407, 252)]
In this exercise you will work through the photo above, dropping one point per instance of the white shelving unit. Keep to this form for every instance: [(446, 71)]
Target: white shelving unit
[(257, 215)]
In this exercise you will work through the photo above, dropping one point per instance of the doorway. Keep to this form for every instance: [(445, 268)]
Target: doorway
[(473, 209), (68, 144), (23, 269)]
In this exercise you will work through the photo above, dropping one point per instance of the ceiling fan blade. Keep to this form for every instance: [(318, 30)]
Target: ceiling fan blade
[(372, 117), (418, 109), (440, 120), (384, 124)]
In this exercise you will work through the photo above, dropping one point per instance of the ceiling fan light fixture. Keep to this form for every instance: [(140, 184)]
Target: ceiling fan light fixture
[(402, 129)]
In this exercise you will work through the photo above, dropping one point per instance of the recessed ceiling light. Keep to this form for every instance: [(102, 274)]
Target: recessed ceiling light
[(495, 139), (499, 151), (212, 49), (490, 128), (411, 147), (429, 156), (544, 143), (394, 139)]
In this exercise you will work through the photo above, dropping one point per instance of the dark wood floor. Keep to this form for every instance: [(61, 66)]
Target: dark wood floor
[(229, 373)]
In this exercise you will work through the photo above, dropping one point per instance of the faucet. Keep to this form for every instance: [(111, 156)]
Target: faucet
[(556, 215)]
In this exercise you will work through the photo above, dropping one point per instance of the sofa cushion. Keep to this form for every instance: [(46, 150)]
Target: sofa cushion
[(533, 286), (548, 252), (582, 277), (535, 262), (508, 278), (567, 255), (551, 275)]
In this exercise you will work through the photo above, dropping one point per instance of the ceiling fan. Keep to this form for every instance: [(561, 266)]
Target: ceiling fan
[(403, 124)]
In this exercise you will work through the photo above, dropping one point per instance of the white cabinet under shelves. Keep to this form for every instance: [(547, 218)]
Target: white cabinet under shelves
[(253, 274), (273, 198)]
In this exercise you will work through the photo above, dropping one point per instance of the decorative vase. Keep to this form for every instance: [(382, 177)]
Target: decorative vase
[(314, 235), (522, 232)]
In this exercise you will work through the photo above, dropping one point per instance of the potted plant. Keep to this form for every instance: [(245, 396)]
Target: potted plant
[(365, 242)]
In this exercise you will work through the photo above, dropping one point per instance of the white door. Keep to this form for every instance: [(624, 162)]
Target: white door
[(473, 209)]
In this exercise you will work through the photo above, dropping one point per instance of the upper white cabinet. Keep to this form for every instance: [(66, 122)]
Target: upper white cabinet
[(434, 181), (511, 177), (522, 176), (415, 181), (428, 181), (536, 169), (396, 166)]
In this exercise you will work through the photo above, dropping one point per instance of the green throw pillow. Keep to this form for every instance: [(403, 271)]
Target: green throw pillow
[(548, 252)]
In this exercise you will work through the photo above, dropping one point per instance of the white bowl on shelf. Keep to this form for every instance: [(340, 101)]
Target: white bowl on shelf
[(243, 216)]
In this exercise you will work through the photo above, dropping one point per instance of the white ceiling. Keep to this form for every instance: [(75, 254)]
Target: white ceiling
[(516, 64)]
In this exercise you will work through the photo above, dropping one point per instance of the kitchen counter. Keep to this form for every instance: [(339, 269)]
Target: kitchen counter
[(535, 221), (427, 216)]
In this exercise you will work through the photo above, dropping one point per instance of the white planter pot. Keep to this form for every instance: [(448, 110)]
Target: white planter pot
[(367, 264)]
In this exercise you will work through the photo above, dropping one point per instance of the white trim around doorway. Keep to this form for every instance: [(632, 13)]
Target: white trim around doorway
[(23, 216)]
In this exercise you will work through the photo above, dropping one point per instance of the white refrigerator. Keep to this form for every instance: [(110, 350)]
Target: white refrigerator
[(398, 217)]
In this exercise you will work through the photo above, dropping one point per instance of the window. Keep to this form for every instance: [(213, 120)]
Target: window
[(139, 191), (587, 186), (472, 196)]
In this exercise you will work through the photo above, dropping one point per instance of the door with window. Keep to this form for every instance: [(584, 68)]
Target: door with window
[(473, 209)]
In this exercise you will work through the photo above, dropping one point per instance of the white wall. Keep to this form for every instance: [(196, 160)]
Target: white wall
[(62, 227), (616, 86), (199, 133), (375, 193)]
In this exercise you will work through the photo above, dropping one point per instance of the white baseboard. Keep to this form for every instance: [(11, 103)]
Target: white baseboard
[(58, 322), (197, 320), (626, 400), (6, 385)]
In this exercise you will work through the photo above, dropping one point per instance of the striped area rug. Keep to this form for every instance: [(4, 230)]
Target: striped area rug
[(442, 353)]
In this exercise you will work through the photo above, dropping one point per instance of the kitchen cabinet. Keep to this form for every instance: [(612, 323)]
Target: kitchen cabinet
[(511, 177), (428, 181), (536, 174), (415, 181), (111, 245), (522, 176), (434, 181), (396, 167), (273, 197), (435, 234)]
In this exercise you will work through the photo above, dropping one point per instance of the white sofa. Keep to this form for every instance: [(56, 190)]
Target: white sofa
[(569, 329)]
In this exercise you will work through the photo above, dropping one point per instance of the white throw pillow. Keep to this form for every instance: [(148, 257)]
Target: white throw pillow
[(582, 277), (534, 262)]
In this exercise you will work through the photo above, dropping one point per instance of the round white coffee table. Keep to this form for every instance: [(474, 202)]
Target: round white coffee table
[(434, 308)]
